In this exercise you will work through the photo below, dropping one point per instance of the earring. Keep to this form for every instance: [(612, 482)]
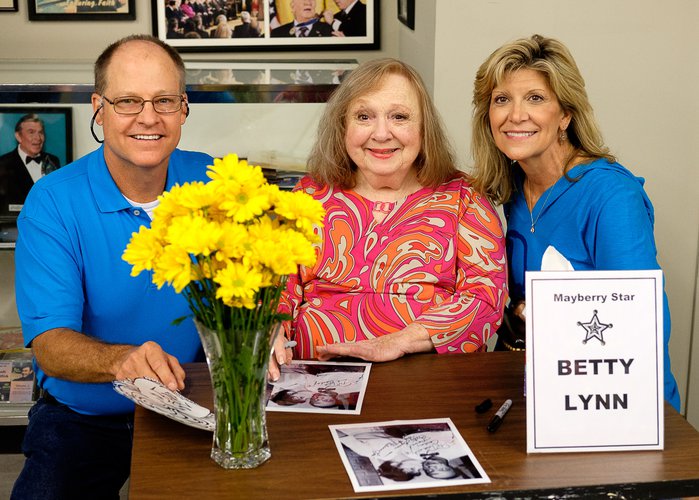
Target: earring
[(562, 137)]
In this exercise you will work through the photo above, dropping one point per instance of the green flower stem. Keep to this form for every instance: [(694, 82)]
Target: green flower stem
[(239, 368)]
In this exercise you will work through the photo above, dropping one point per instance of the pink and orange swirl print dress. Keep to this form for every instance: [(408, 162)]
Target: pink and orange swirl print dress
[(437, 259)]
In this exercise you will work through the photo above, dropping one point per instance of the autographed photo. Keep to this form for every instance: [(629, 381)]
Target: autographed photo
[(406, 454), (319, 387)]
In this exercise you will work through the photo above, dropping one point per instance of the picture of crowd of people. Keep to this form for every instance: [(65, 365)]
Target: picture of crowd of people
[(246, 18), (310, 386), (395, 455), (213, 18)]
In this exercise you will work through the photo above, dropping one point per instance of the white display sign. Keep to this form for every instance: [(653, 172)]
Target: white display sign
[(594, 373)]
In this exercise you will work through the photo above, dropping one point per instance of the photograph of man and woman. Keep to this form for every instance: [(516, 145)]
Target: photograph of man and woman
[(319, 387), (406, 454)]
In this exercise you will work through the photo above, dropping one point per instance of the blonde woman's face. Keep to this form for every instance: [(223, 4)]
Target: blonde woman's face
[(526, 118)]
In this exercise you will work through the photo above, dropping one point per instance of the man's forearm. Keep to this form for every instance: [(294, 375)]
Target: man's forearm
[(70, 355)]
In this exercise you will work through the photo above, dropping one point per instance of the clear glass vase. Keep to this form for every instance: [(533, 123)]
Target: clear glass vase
[(238, 361)]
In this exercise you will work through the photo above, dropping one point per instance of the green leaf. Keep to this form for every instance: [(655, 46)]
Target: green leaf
[(179, 320)]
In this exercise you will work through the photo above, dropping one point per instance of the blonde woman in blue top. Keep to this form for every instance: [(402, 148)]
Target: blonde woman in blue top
[(539, 151)]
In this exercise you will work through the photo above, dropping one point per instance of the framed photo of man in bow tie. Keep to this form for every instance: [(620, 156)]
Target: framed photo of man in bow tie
[(34, 141)]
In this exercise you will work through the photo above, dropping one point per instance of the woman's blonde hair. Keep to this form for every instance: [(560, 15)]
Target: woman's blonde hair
[(223, 30), (329, 162), (493, 173)]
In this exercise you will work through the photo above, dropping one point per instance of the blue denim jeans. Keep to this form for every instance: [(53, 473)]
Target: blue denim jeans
[(73, 456)]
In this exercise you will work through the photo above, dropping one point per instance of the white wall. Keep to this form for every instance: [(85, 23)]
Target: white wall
[(418, 46)]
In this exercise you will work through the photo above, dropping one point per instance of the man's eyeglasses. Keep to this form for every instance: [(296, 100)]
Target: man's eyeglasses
[(133, 105)]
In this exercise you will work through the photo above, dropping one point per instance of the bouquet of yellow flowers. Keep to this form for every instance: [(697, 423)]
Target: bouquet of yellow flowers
[(228, 246)]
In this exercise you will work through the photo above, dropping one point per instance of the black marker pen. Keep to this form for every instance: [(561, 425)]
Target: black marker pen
[(499, 416)]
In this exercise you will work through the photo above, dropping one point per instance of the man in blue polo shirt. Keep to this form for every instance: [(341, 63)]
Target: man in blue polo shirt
[(87, 320)]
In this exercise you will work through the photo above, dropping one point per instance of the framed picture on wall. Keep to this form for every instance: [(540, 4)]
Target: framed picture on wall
[(8, 5), (86, 10), (406, 13), (259, 25), (34, 141)]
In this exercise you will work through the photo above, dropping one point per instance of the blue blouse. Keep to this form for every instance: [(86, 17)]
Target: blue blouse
[(599, 218)]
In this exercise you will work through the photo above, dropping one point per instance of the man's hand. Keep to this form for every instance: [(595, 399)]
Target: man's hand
[(328, 17), (149, 360)]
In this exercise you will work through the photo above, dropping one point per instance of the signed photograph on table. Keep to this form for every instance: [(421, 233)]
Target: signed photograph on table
[(406, 454), (319, 387)]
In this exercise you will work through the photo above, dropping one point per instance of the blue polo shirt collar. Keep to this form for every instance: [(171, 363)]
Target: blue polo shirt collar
[(106, 192)]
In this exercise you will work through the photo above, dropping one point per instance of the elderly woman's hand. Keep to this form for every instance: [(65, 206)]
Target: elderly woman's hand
[(520, 311), (412, 338), (281, 355)]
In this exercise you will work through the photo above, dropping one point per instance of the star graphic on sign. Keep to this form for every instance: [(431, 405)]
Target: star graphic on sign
[(594, 329)]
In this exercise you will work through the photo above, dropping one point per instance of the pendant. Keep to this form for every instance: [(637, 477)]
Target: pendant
[(532, 230)]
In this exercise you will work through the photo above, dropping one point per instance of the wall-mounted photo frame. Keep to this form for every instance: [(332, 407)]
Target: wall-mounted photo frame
[(267, 25), (406, 13), (8, 6), (27, 154), (82, 10)]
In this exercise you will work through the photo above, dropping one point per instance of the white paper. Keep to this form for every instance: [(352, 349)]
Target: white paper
[(594, 361), (319, 387), (406, 454), (553, 260), (156, 397)]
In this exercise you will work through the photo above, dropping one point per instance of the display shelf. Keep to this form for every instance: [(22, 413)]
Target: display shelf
[(269, 81)]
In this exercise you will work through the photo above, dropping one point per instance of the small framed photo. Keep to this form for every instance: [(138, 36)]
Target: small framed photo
[(259, 25), (34, 141), (406, 13), (8, 6), (85, 10)]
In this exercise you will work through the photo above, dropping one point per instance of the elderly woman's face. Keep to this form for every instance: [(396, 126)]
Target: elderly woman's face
[(525, 117), (383, 135)]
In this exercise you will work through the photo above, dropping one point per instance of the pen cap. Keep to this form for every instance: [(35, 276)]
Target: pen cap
[(484, 406)]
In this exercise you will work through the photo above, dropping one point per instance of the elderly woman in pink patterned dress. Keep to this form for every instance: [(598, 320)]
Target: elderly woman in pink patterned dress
[(411, 258)]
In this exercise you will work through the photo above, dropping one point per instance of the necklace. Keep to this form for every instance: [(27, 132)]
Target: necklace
[(384, 206), (531, 215)]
